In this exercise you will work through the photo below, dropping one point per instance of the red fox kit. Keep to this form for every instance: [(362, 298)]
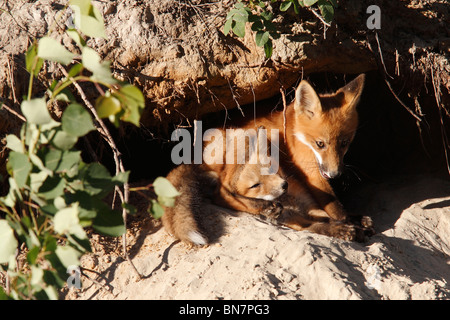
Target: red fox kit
[(241, 186), (319, 130)]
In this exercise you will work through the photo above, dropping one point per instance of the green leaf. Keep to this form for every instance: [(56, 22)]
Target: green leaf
[(107, 106), (75, 70), (241, 16), (51, 292), (156, 210), (3, 295), (59, 161), (326, 10), (133, 102), (92, 27), (66, 221), (87, 18), (69, 159), (309, 3), (83, 245), (101, 70), (19, 167), (32, 254), (239, 29), (87, 205), (261, 38), (268, 49), (297, 4), (8, 243), (39, 164), (285, 5), (76, 120), (37, 275), (239, 5), (267, 15), (109, 222), (97, 179), (121, 177), (83, 5), (35, 110), (37, 179), (50, 49), (227, 26), (52, 159), (75, 35), (52, 187), (68, 256), (32, 61), (63, 140), (65, 95), (59, 275), (14, 143), (164, 188), (130, 208), (166, 201), (231, 13)]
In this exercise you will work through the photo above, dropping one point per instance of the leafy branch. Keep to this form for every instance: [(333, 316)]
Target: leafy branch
[(53, 194), (257, 12)]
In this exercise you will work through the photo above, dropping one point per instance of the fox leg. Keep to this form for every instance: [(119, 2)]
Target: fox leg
[(324, 196), (251, 205), (302, 212), (332, 228), (299, 198)]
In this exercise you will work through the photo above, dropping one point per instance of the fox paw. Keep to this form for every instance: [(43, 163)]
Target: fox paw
[(367, 226), (273, 212), (344, 231), (366, 222), (364, 225)]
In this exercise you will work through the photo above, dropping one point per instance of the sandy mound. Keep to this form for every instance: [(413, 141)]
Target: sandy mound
[(408, 258)]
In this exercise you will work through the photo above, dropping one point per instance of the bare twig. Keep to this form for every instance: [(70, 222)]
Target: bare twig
[(387, 81), (283, 96), (381, 55), (326, 24), (103, 130), (11, 79), (436, 87), (401, 102), (10, 110)]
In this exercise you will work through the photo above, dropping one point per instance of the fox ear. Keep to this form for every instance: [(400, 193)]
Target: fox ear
[(306, 100), (261, 128), (352, 92)]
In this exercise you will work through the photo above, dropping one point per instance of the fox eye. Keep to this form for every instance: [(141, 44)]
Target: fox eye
[(256, 185), (320, 144)]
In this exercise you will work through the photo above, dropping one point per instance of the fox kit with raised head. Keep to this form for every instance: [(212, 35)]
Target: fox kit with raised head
[(242, 186), (318, 132)]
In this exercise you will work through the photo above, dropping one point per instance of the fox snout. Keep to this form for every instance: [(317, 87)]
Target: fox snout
[(330, 173), (278, 191)]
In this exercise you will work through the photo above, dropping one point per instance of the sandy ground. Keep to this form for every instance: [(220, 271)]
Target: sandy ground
[(408, 258)]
